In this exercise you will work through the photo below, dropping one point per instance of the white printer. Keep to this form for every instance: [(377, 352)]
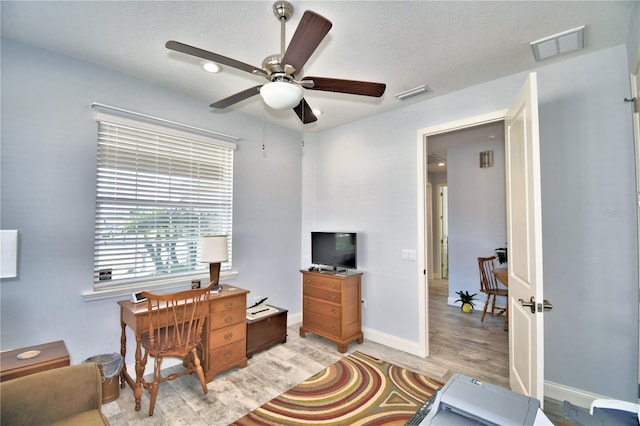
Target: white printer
[(464, 400)]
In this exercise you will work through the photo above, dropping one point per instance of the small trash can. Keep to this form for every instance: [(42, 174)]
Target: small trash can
[(110, 366)]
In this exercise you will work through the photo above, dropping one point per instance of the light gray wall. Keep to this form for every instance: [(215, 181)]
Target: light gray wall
[(477, 219), (633, 39), (359, 177), (362, 177), (48, 194)]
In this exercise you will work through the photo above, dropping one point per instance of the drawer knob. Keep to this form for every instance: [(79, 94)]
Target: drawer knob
[(228, 305), (228, 336), (333, 311), (307, 291), (228, 319), (333, 296)]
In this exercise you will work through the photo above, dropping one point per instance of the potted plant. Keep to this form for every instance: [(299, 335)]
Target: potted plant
[(467, 301), (501, 254)]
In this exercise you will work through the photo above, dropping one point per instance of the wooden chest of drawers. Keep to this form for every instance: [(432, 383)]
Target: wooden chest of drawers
[(224, 337), (331, 307)]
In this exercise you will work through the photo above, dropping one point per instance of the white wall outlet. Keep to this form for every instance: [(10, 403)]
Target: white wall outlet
[(408, 254)]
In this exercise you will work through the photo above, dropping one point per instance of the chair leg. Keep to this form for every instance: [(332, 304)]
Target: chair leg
[(486, 305), (153, 391), (198, 369)]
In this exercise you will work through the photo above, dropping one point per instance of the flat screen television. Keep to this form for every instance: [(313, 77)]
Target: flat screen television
[(334, 249)]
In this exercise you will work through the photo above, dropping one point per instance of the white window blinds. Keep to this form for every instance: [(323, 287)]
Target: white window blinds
[(158, 192)]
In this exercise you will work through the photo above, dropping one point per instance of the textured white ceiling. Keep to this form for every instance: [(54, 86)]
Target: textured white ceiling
[(448, 45)]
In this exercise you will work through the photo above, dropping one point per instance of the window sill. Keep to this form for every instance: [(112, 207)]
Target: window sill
[(125, 291)]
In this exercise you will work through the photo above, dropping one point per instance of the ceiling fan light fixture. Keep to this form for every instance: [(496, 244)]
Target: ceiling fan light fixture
[(281, 95), (211, 67)]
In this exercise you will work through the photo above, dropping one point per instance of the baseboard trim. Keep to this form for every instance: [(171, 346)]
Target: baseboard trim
[(392, 341), (575, 396)]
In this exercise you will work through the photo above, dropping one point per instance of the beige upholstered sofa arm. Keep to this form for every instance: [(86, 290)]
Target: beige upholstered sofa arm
[(67, 395)]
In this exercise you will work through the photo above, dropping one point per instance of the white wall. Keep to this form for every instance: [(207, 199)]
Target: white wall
[(362, 177), (477, 216), (359, 177), (48, 194)]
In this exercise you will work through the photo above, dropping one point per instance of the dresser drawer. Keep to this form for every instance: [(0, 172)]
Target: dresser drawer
[(323, 291), (226, 335), (229, 353), (316, 322), (326, 281), (323, 308)]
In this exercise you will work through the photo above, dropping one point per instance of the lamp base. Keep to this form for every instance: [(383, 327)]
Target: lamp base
[(214, 273)]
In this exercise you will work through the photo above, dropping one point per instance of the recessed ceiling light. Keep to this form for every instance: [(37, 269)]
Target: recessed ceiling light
[(441, 164), (558, 44), (211, 67)]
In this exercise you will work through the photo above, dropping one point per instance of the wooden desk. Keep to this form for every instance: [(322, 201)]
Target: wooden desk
[(223, 343), (52, 355), (503, 276)]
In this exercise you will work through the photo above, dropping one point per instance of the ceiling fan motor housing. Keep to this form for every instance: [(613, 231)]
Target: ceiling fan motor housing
[(283, 10)]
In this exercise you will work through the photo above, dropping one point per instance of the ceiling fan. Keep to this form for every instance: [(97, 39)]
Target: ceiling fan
[(284, 90)]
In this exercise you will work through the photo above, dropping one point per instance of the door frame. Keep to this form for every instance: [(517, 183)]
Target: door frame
[(422, 245), (440, 210)]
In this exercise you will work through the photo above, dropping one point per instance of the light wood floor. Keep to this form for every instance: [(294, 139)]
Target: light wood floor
[(458, 342)]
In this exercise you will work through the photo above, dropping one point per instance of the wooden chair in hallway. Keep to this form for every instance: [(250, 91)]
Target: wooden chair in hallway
[(175, 327), (489, 286)]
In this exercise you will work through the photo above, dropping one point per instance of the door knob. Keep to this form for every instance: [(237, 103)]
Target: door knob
[(546, 305), (530, 304)]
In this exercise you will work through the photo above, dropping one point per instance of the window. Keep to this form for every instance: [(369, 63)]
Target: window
[(158, 191)]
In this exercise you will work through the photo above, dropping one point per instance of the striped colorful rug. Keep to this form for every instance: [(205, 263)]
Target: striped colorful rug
[(357, 390)]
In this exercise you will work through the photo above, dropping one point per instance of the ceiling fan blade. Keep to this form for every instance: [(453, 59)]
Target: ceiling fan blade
[(353, 87), (205, 54), (234, 99), (305, 113), (310, 32)]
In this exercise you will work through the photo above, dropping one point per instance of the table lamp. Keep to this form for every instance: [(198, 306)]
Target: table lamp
[(214, 252)]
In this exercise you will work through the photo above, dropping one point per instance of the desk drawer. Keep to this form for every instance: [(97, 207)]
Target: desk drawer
[(227, 318), (227, 304), (319, 307), (224, 336), (229, 353)]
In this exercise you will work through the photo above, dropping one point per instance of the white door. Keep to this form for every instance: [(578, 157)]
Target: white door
[(524, 234)]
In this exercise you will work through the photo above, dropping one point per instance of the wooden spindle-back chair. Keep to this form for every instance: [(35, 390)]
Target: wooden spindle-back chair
[(175, 327), (489, 286)]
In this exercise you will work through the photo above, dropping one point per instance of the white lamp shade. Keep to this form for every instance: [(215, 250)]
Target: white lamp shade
[(214, 249), (281, 95)]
